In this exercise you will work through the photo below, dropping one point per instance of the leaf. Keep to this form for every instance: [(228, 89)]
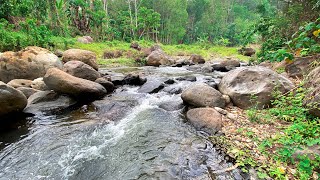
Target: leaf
[(316, 33)]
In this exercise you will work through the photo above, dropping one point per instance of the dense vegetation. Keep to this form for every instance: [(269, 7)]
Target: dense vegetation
[(284, 29), (230, 22)]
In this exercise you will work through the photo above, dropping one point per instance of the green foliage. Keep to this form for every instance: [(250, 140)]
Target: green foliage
[(302, 132), (30, 34)]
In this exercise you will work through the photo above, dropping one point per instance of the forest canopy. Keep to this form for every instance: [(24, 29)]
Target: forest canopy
[(227, 22)]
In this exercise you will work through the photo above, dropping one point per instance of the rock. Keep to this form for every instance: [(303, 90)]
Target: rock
[(169, 81), (253, 86), (106, 84), (20, 83), (301, 66), (247, 51), (27, 91), (205, 118), (226, 65), (29, 63), (11, 100), (187, 78), (151, 86), (39, 84), (108, 54), (172, 90), (65, 83), (172, 105), (130, 79), (84, 56), (197, 59), (311, 152), (85, 40), (134, 79), (48, 102), (232, 117), (312, 98), (81, 70), (202, 95), (58, 53), (226, 98), (135, 46), (157, 58), (221, 111), (115, 108)]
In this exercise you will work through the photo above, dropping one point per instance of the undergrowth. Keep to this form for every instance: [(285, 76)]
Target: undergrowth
[(288, 150)]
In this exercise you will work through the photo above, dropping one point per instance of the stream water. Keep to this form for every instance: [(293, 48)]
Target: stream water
[(148, 138)]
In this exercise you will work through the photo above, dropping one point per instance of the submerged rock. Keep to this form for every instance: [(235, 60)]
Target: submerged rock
[(11, 100), (29, 63), (48, 102), (65, 83), (84, 56), (202, 95), (187, 78), (152, 85), (205, 118), (81, 70), (253, 86)]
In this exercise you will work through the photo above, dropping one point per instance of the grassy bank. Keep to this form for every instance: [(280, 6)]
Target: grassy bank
[(209, 52)]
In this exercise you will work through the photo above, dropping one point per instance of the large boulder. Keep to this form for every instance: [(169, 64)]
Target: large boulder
[(84, 56), (202, 95), (65, 83), (312, 99), (48, 102), (29, 63), (20, 83), (253, 86), (157, 58), (226, 65), (11, 100), (81, 70), (205, 118)]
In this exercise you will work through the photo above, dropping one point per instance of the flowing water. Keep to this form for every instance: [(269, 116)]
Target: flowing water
[(146, 141)]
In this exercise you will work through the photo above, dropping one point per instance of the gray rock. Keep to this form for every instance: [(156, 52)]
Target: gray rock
[(11, 100), (202, 95), (106, 84), (84, 56), (27, 91), (253, 86), (187, 78), (312, 98), (81, 70), (152, 85), (205, 118), (48, 102), (157, 58), (65, 83)]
